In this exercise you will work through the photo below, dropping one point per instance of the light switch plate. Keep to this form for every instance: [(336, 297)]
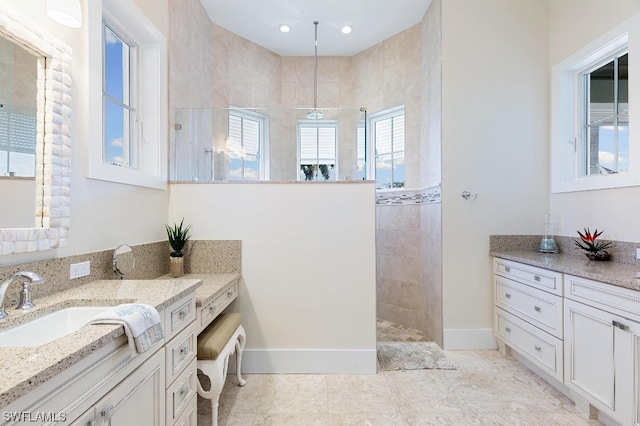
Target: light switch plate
[(638, 253), (77, 270)]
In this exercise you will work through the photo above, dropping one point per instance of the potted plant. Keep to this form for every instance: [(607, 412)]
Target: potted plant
[(178, 237), (595, 250)]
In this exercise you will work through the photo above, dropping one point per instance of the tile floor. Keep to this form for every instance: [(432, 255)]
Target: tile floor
[(486, 389)]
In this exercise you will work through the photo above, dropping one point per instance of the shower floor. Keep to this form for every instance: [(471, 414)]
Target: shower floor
[(387, 331)]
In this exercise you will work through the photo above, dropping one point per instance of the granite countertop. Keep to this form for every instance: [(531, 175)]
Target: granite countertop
[(614, 273), (211, 286), (25, 368)]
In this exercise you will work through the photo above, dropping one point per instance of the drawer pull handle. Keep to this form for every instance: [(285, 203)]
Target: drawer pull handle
[(184, 392), (537, 308), (507, 329), (536, 278), (538, 348), (182, 314), (212, 308), (507, 269), (621, 326), (229, 293), (184, 351), (507, 295)]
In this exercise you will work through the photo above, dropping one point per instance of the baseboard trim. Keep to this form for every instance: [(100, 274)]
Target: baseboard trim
[(469, 339), (308, 361)]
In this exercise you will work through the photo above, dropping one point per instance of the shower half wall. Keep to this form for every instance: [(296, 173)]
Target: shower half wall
[(409, 259)]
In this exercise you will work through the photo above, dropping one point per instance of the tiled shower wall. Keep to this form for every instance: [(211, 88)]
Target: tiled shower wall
[(409, 263), (212, 68), (409, 236)]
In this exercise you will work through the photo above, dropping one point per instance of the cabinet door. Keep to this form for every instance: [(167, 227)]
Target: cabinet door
[(590, 355), (139, 399)]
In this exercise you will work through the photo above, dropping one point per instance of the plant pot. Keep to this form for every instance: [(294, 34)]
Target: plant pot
[(599, 256), (176, 266)]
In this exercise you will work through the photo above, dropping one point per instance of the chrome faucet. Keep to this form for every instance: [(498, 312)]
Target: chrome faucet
[(25, 294)]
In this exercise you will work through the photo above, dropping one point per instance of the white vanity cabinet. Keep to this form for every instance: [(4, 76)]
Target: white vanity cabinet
[(139, 399), (528, 314), (602, 341), (113, 386), (181, 373)]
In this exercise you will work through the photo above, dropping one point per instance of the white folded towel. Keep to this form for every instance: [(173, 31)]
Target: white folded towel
[(141, 324)]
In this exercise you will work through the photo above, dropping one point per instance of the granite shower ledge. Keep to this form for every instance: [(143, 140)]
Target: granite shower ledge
[(23, 369), (614, 273)]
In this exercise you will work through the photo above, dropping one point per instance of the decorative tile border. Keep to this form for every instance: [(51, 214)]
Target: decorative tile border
[(53, 173), (404, 197)]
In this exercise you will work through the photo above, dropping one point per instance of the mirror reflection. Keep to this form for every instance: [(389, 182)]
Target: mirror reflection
[(124, 261), (18, 112), (274, 144)]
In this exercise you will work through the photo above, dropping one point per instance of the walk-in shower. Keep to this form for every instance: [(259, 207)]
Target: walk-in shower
[(269, 144)]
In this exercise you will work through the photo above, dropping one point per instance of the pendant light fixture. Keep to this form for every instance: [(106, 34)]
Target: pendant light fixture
[(315, 114), (65, 12)]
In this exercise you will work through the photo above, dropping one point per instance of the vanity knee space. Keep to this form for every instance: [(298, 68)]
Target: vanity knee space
[(580, 335)]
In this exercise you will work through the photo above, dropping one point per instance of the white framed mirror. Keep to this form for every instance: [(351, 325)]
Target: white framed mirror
[(53, 138)]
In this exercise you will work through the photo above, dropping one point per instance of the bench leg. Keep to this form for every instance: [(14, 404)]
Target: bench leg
[(242, 338)]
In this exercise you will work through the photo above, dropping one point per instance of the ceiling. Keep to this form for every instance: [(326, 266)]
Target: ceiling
[(372, 20)]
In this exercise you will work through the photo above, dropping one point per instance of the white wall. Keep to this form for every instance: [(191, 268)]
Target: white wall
[(308, 263), (575, 23), (495, 97), (103, 214)]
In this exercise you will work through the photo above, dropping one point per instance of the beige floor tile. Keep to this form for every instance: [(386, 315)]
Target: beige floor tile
[(487, 388), (362, 394), (366, 419), (293, 393), (428, 419), (424, 391), (291, 419)]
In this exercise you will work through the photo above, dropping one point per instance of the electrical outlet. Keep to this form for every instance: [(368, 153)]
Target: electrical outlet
[(77, 270)]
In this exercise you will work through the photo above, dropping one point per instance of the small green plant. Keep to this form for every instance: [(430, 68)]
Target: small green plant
[(178, 237), (590, 245)]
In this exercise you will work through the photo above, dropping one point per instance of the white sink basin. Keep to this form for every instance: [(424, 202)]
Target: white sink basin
[(50, 327)]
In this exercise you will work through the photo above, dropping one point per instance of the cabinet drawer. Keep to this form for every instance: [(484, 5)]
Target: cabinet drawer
[(180, 393), (212, 309), (617, 300), (180, 352), (190, 415), (541, 309), (541, 348), (178, 315), (543, 279)]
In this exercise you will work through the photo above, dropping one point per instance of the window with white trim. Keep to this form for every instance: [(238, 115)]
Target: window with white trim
[(605, 121), (248, 145), (127, 95), (119, 98), (387, 138), (592, 125), (317, 150)]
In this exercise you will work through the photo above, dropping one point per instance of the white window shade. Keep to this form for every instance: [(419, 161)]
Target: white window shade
[(244, 137), (22, 129), (389, 135), (317, 145)]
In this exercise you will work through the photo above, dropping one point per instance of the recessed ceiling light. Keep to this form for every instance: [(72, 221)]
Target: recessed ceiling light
[(284, 28), (346, 29)]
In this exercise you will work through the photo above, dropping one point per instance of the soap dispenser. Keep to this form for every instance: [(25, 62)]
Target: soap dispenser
[(547, 243)]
